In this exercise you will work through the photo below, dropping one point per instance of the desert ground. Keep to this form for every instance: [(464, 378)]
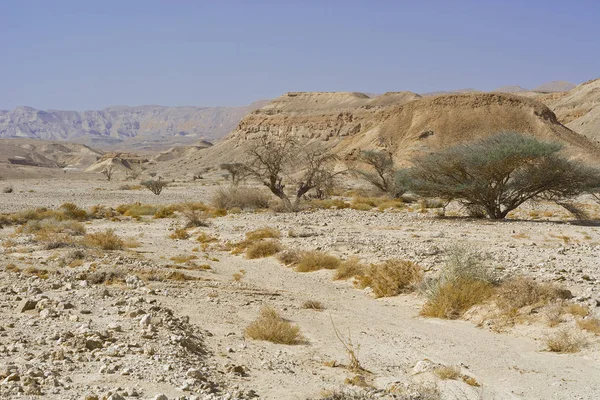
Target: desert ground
[(165, 316)]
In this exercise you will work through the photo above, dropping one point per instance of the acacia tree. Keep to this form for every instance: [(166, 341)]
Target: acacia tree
[(278, 162), (382, 172), (238, 172), (499, 173)]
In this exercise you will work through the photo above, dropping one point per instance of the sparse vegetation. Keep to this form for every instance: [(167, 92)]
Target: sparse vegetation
[(106, 240), (497, 174), (519, 292), (195, 214), (315, 260), (279, 162), (155, 186), (463, 282), (263, 233), (108, 171), (564, 341), (392, 277), (384, 174), (180, 234), (263, 248), (313, 305), (240, 197), (271, 327), (590, 324), (447, 372)]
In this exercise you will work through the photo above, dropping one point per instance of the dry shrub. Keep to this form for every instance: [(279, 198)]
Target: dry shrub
[(71, 211), (164, 212), (100, 212), (454, 297), (263, 233), (241, 198), (131, 243), (180, 233), (315, 260), (591, 325), (392, 277), (351, 268), (519, 292), (271, 327), (564, 341), (181, 259), (447, 372), (204, 237), (106, 240), (313, 305), (289, 257), (263, 248), (105, 277), (577, 310), (357, 380), (136, 210), (195, 214)]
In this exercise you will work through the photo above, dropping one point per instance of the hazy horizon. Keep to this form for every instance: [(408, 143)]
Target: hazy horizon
[(70, 55)]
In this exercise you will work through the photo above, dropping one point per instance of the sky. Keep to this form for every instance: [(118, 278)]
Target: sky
[(80, 55)]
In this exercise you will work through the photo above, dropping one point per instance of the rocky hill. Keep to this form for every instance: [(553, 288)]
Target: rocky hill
[(579, 109), (119, 124), (404, 122)]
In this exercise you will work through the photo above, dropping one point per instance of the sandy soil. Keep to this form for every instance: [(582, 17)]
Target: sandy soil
[(185, 339)]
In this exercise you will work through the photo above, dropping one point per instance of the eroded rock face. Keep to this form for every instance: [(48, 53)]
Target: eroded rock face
[(404, 122)]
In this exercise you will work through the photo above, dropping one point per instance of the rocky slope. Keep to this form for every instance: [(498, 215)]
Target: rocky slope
[(40, 153), (405, 122), (579, 109), (119, 123)]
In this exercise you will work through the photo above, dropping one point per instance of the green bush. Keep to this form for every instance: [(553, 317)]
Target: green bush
[(497, 174)]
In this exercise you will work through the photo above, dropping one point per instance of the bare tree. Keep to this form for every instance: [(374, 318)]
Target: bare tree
[(238, 172), (108, 171), (275, 162), (382, 173)]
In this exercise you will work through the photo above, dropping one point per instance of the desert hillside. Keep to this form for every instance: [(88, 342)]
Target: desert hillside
[(404, 121), (117, 124), (579, 109)]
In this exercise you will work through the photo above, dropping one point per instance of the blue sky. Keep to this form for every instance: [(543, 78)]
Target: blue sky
[(91, 54)]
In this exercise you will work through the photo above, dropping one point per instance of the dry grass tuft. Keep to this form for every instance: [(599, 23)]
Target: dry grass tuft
[(195, 214), (577, 310), (204, 237), (447, 372), (289, 257), (313, 305), (240, 198), (106, 240), (263, 233), (392, 277), (591, 325), (315, 260), (564, 341), (181, 259), (180, 234), (271, 327), (351, 268), (263, 248), (519, 292), (453, 298)]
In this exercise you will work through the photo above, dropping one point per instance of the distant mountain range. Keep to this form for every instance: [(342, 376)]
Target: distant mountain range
[(155, 127), (114, 125)]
